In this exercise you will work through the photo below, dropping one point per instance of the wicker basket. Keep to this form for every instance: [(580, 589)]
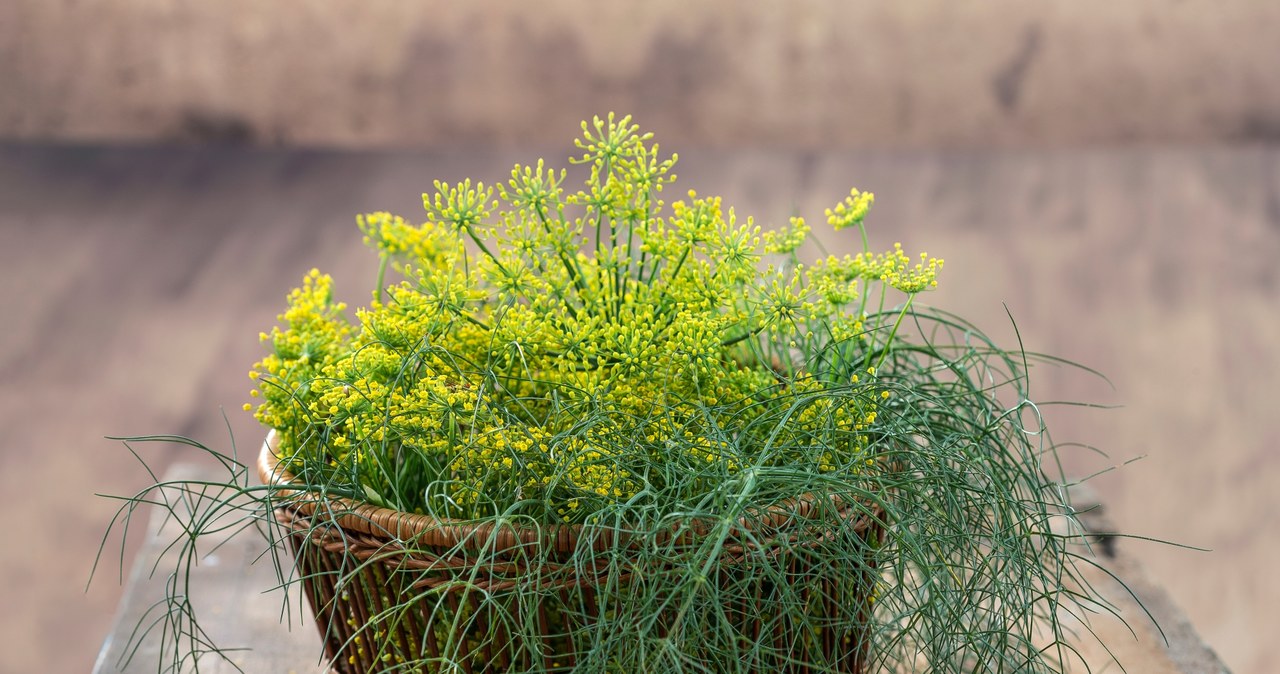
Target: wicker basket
[(357, 561)]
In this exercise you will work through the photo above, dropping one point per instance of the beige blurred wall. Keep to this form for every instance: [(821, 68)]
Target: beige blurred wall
[(809, 73)]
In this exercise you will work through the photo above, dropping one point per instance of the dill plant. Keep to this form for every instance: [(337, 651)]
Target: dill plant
[(714, 456)]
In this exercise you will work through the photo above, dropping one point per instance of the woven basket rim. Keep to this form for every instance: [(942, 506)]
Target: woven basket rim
[(434, 531)]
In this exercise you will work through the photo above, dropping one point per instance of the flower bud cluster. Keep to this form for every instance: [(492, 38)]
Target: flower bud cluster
[(563, 352)]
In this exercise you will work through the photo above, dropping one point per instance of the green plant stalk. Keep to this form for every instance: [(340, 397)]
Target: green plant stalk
[(897, 323)]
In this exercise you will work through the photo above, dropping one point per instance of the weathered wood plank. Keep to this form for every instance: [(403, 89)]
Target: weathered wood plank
[(261, 629)]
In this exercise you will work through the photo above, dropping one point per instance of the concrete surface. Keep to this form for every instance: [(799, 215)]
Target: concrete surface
[(805, 73)]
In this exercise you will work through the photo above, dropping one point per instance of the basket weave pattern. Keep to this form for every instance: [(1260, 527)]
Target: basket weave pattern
[(489, 598)]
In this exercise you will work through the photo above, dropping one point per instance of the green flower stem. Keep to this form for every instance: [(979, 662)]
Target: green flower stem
[(866, 250), (382, 271), (570, 266), (471, 234)]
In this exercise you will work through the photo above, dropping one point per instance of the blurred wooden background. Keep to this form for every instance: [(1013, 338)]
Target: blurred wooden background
[(1108, 170), (804, 73)]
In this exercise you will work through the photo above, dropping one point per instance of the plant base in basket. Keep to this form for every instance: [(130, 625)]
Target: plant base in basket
[(585, 430), (391, 588)]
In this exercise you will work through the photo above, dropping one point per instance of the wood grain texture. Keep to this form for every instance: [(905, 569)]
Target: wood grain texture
[(135, 281), (235, 591), (812, 73)]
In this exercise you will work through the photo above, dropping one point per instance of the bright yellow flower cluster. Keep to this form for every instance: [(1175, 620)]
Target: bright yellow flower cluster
[(395, 237), (314, 333), (837, 277), (852, 211), (895, 268), (787, 240), (559, 353)]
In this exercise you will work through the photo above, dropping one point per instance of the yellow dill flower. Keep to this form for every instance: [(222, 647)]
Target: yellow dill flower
[(851, 211), (577, 342), (789, 239), (462, 205)]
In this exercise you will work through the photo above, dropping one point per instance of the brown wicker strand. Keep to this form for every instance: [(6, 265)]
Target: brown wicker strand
[(358, 563)]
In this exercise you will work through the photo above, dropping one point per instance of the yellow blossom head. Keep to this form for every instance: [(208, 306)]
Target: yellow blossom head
[(851, 211)]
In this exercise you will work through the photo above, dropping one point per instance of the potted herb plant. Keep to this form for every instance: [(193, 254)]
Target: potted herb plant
[(582, 429)]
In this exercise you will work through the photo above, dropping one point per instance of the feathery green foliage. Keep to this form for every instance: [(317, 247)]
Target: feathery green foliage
[(545, 357)]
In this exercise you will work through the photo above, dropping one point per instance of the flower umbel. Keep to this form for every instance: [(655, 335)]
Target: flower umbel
[(852, 211), (509, 375)]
